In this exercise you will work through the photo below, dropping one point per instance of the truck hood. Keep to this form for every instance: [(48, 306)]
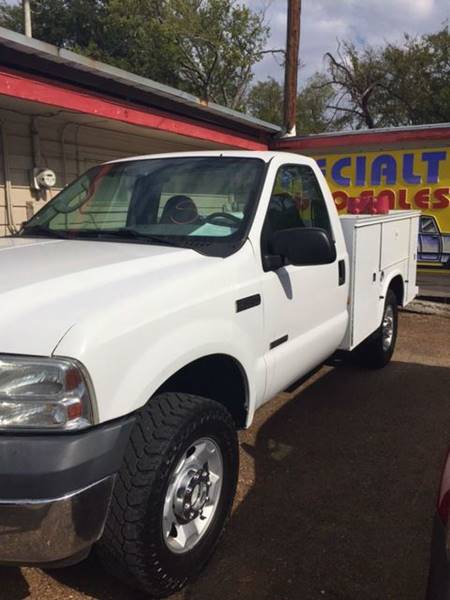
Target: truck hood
[(47, 286)]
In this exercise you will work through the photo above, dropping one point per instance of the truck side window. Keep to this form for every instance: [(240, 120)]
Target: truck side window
[(296, 201), (428, 225)]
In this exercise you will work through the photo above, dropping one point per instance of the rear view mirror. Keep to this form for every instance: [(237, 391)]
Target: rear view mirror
[(304, 246)]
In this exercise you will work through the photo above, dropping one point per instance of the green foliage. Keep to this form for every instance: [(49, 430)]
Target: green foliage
[(265, 101), (418, 80), (219, 41), (206, 47), (11, 16)]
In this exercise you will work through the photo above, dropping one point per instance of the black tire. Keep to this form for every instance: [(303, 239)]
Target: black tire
[(373, 352), (133, 546)]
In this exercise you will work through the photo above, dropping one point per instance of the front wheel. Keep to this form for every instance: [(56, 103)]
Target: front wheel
[(173, 493), (377, 350)]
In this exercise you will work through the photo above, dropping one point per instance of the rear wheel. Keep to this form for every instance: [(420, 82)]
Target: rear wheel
[(377, 350), (173, 493)]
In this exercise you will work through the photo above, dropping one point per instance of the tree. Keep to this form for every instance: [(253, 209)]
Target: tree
[(219, 42), (357, 76), (206, 47), (129, 34), (315, 111), (265, 101), (418, 79), (406, 83)]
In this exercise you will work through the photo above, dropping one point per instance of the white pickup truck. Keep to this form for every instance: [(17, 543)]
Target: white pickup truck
[(147, 311)]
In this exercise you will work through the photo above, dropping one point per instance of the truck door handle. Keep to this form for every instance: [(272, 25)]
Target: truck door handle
[(341, 268)]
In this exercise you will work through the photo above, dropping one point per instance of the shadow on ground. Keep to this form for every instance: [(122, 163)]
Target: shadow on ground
[(13, 585), (343, 499), (342, 505)]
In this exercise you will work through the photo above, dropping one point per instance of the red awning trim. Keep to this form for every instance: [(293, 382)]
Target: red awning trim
[(26, 87), (360, 140)]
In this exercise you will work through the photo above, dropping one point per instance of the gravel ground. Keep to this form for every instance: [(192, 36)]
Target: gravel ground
[(336, 494), (426, 307)]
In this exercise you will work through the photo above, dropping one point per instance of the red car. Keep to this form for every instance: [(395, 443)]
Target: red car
[(439, 577)]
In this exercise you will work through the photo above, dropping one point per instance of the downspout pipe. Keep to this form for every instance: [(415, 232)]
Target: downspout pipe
[(7, 182)]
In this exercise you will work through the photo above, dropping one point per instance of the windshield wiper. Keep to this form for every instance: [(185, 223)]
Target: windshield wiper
[(112, 234), (189, 243), (133, 234), (41, 231), (124, 233)]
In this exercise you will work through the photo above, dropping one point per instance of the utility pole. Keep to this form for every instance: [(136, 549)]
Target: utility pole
[(27, 17), (291, 66)]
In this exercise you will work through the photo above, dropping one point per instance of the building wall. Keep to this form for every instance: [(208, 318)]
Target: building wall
[(67, 143)]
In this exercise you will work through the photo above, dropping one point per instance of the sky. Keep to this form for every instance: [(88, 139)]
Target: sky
[(360, 21)]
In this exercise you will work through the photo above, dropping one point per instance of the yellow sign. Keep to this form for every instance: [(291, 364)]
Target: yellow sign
[(418, 179), (410, 178)]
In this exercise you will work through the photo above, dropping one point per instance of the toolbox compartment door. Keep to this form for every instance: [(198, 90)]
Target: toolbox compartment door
[(379, 247), (395, 242), (411, 289), (366, 283)]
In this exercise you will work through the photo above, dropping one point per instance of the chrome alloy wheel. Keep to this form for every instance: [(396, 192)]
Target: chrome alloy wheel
[(387, 328), (192, 495)]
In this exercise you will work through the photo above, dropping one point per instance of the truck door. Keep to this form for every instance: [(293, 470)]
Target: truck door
[(305, 307), (430, 240)]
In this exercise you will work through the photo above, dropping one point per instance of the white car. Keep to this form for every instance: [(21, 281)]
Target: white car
[(147, 312)]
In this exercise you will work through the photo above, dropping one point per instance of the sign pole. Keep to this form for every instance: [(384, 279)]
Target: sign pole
[(27, 17), (291, 66)]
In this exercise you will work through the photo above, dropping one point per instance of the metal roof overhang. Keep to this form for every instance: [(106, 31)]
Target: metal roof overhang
[(46, 67), (40, 72), (365, 139)]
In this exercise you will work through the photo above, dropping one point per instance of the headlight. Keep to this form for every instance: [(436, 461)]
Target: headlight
[(44, 393)]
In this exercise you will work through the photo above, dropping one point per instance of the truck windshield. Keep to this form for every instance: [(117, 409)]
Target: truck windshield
[(199, 202)]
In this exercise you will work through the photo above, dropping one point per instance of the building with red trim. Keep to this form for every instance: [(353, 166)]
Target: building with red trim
[(66, 112)]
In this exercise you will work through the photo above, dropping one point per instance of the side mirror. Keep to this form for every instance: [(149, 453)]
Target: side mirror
[(304, 246)]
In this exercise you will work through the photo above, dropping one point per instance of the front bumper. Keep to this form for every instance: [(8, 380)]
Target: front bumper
[(55, 491), (50, 531)]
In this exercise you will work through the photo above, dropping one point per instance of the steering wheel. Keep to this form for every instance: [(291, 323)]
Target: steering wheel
[(223, 215)]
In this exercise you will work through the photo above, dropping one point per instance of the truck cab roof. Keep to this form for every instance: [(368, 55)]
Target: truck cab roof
[(266, 156)]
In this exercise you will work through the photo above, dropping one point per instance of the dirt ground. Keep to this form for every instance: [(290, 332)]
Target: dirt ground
[(336, 495)]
